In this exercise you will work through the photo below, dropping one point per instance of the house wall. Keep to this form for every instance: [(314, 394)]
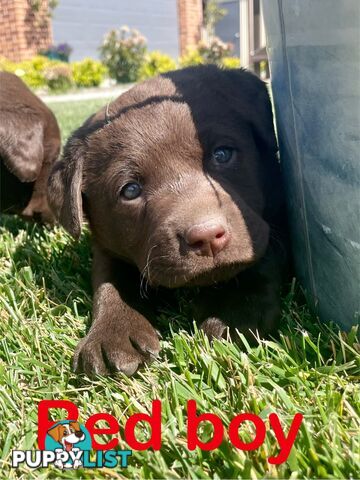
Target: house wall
[(22, 32), (83, 23)]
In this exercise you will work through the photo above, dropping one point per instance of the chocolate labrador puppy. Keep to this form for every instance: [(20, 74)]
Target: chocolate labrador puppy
[(29, 145), (180, 183)]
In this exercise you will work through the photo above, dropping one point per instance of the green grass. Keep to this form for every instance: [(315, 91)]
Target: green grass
[(71, 115), (45, 304)]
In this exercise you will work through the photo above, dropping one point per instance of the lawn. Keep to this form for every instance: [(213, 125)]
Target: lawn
[(45, 305)]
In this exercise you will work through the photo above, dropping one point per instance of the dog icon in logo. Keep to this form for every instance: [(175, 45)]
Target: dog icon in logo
[(66, 437)]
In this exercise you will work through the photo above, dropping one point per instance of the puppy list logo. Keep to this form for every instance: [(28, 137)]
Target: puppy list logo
[(68, 439), (68, 445)]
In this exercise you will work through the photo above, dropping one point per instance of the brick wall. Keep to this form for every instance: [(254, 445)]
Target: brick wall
[(23, 32), (190, 17)]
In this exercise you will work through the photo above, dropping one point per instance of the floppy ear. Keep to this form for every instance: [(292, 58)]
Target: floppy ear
[(64, 188), (57, 432), (75, 425), (263, 122), (21, 144), (251, 96)]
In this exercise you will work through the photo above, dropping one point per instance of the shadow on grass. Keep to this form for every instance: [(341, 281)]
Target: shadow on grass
[(58, 263), (63, 266)]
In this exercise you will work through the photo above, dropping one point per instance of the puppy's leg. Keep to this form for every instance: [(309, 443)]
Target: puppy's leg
[(120, 337), (249, 304)]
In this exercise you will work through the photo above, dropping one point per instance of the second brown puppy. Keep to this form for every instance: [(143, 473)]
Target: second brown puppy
[(29, 145), (181, 186)]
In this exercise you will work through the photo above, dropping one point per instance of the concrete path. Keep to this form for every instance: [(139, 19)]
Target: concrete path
[(90, 94)]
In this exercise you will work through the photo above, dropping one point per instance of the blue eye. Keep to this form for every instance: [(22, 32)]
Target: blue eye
[(131, 191), (223, 154)]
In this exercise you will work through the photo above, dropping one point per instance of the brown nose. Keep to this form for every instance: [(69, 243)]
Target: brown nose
[(207, 239)]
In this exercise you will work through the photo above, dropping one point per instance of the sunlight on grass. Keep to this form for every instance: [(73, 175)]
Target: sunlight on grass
[(45, 305), (71, 115)]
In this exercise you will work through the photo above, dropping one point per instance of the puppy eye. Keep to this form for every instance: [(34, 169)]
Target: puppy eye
[(131, 191), (223, 154)]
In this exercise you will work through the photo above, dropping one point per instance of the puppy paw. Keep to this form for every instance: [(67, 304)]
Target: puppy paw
[(108, 350)]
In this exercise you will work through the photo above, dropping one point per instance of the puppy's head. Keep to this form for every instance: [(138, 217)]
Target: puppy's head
[(175, 176), (67, 434)]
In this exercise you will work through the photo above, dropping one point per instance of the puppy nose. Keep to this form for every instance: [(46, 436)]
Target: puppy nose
[(79, 434), (207, 239)]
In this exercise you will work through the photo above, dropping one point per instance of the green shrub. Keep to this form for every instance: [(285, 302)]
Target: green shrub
[(32, 71), (230, 62), (191, 57), (155, 63), (7, 65), (88, 72), (123, 52), (59, 77), (36, 72), (41, 72), (212, 51)]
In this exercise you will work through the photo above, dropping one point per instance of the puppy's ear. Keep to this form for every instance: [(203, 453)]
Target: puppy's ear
[(57, 432), (21, 145), (64, 188), (262, 120), (251, 97)]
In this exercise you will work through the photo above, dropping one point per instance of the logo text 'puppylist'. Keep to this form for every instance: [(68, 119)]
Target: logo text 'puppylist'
[(67, 444)]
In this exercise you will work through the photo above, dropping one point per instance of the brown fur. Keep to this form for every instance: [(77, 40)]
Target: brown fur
[(162, 134), (58, 432), (29, 145)]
